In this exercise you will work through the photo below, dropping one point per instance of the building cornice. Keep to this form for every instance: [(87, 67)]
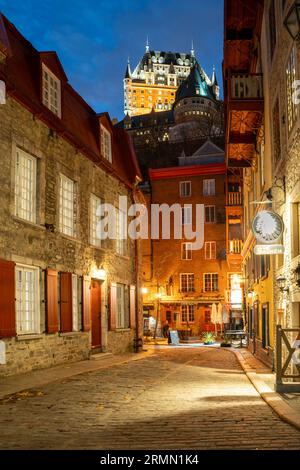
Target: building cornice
[(187, 171)]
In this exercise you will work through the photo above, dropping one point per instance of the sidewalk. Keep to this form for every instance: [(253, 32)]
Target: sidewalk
[(287, 406), (38, 378)]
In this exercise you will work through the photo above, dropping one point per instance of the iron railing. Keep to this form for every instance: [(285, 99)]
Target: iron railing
[(287, 359)]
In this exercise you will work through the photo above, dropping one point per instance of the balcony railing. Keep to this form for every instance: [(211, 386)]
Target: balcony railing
[(235, 199), (246, 86), (235, 247)]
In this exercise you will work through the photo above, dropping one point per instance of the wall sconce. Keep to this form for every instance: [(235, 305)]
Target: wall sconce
[(99, 273), (250, 295), (144, 290), (281, 280), (297, 275), (292, 21)]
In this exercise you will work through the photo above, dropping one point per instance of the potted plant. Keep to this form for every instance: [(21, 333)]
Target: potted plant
[(208, 338), (226, 343)]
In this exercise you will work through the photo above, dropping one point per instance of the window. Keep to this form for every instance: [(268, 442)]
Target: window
[(210, 214), (188, 313), (211, 282), (292, 107), (207, 316), (94, 220), (122, 306), (276, 132), (75, 310), (186, 251), (25, 186), (272, 28), (186, 216), (210, 250), (27, 300), (66, 206), (106, 144), (185, 188), (265, 326), (187, 282), (209, 187), (51, 91), (121, 225), (295, 210)]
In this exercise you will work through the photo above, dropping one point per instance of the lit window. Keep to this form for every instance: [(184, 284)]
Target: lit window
[(210, 250), (211, 282), (210, 214), (122, 306), (106, 144), (94, 220), (292, 107), (185, 188), (186, 251), (25, 186), (75, 309), (66, 206), (121, 225), (186, 215), (187, 282), (27, 300), (51, 91), (188, 313)]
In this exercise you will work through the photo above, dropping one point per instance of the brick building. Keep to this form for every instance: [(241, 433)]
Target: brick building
[(63, 292)]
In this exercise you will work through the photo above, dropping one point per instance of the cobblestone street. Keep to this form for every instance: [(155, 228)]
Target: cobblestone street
[(188, 399)]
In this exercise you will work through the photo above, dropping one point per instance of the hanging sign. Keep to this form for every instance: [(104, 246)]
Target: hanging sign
[(267, 227)]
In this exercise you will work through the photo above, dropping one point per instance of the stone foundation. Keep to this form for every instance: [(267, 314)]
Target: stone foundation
[(120, 342)]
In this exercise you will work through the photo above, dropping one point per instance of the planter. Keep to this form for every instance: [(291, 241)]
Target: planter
[(225, 345)]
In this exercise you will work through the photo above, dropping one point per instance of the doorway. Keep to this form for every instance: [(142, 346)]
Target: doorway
[(96, 313)]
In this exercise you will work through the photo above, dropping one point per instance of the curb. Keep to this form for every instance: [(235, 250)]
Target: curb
[(273, 399)]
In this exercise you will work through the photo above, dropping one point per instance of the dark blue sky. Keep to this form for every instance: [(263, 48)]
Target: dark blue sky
[(93, 38)]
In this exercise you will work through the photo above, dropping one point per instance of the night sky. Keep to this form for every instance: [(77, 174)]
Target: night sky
[(93, 38)]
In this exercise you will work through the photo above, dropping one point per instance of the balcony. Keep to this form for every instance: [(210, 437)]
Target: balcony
[(235, 247), (246, 92), (234, 199)]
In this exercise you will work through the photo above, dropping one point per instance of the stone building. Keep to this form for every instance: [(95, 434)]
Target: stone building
[(64, 293), (152, 85)]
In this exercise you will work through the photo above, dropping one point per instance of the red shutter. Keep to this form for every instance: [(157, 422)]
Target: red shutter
[(7, 299), (113, 306), (52, 302), (66, 302), (86, 303), (132, 307)]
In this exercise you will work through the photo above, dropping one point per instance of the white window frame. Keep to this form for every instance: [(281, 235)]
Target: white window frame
[(210, 289), (214, 219), (185, 188), (24, 300), (95, 202), (188, 311), (66, 214), (106, 144), (187, 215), (48, 91), (190, 282), (121, 240), (210, 249), (122, 307), (290, 77), (209, 187), (25, 186), (186, 251)]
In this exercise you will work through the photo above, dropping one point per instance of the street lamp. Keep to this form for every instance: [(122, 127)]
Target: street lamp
[(292, 21), (297, 275), (281, 280)]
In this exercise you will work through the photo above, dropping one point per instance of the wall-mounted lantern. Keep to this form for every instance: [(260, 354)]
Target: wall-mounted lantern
[(292, 21)]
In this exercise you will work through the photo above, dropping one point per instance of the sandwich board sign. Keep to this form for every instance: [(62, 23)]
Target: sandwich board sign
[(174, 338)]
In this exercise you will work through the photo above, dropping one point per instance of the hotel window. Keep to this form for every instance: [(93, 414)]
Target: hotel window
[(185, 188), (292, 107), (209, 187), (210, 214), (121, 241), (272, 28), (211, 282), (186, 216), (210, 250), (51, 91), (27, 300), (122, 306), (95, 202), (105, 137), (187, 282), (66, 205), (276, 132), (187, 313), (25, 186), (186, 251)]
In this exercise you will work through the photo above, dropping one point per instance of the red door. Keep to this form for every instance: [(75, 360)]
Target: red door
[(96, 313)]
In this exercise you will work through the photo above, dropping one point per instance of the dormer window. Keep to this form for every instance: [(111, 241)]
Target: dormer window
[(51, 91), (106, 144)]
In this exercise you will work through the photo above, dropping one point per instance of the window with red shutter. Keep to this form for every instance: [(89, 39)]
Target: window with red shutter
[(113, 306), (132, 307), (66, 302), (7, 299), (52, 301)]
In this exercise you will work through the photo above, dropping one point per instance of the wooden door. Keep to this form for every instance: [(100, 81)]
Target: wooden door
[(96, 313)]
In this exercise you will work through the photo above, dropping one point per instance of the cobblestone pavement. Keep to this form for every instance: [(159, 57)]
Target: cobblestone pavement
[(187, 399)]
